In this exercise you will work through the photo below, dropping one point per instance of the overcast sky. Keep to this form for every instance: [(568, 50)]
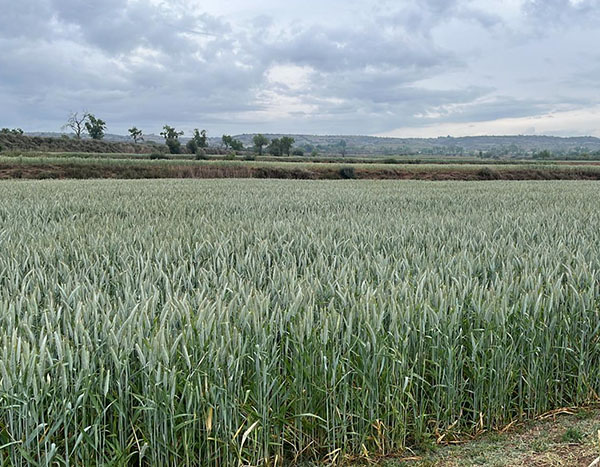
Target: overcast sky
[(397, 68)]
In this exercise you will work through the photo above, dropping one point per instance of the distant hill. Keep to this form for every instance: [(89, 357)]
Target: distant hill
[(471, 145), (57, 143), (487, 146), (109, 137)]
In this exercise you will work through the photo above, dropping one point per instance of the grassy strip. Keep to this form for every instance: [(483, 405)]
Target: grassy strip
[(44, 167), (415, 159)]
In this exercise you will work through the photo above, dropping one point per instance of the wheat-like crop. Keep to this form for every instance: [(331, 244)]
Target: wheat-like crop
[(266, 322)]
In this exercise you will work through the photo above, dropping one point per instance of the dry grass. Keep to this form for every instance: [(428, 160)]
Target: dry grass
[(566, 439)]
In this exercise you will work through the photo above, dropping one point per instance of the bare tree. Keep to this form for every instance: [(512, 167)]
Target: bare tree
[(76, 123)]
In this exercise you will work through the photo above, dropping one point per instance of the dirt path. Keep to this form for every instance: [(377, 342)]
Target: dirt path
[(564, 439)]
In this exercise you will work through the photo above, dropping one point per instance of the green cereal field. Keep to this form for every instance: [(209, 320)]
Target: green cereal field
[(268, 322)]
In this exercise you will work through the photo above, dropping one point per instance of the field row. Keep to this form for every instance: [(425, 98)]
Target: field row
[(128, 167)]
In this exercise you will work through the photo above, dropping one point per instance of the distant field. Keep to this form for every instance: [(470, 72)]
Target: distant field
[(260, 322), (93, 165)]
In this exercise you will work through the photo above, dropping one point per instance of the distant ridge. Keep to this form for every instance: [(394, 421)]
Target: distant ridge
[(520, 144), (377, 145)]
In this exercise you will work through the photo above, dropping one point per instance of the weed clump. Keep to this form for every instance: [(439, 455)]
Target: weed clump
[(347, 173)]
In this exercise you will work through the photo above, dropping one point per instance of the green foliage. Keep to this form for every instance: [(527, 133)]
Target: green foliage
[(260, 141), (584, 414), (342, 145), (136, 134), (170, 133), (572, 435), (95, 127), (230, 142), (201, 154), (158, 155), (281, 146), (64, 143), (285, 144), (274, 147), (247, 322), (174, 145), (297, 152), (191, 146), (171, 136), (200, 138), (545, 154), (347, 172), (13, 131), (487, 173)]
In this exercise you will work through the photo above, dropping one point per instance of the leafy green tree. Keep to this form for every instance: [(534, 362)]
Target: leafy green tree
[(545, 154), (236, 144), (226, 139), (171, 136), (230, 142), (275, 147), (170, 133), (200, 138), (285, 144), (95, 127), (342, 145), (136, 134), (260, 141)]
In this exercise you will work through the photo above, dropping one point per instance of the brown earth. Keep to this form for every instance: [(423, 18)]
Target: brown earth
[(130, 171)]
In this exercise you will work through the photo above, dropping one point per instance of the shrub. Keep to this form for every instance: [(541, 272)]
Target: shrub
[(572, 435), (297, 152), (174, 145), (200, 154), (158, 155), (347, 172), (488, 174), (191, 146)]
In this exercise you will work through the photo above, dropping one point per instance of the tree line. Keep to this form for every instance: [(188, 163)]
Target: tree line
[(96, 128)]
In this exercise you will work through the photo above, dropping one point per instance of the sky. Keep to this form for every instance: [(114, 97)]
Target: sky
[(406, 68)]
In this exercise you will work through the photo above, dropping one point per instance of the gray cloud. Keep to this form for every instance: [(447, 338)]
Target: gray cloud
[(368, 67), (548, 13)]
